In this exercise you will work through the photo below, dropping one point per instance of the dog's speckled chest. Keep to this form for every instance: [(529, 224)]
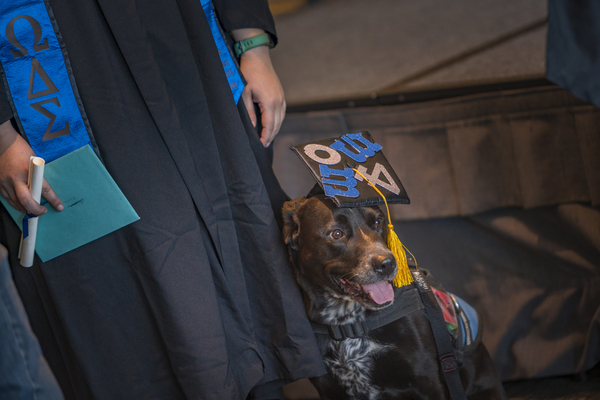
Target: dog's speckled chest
[(351, 362)]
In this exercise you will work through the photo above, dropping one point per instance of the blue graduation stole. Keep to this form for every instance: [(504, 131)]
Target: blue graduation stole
[(233, 76), (36, 71), (44, 95)]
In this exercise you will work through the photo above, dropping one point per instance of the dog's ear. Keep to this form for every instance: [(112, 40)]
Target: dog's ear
[(291, 222)]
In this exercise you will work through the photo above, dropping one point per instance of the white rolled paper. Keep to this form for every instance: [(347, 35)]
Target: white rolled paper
[(36, 179)]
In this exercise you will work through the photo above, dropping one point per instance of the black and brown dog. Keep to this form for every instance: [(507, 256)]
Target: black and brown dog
[(344, 267)]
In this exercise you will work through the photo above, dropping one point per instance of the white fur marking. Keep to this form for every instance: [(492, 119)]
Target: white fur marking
[(350, 361)]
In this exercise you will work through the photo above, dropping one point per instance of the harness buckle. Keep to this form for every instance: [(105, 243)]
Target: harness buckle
[(448, 363), (348, 331)]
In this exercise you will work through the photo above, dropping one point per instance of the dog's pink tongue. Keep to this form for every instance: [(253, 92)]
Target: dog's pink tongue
[(381, 292)]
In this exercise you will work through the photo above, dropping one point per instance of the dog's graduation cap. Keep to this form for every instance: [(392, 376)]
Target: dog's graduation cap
[(340, 166), (353, 172)]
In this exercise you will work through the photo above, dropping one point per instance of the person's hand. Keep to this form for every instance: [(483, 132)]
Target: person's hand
[(263, 87), (14, 170)]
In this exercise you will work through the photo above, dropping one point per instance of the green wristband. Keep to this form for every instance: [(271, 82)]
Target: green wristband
[(259, 40)]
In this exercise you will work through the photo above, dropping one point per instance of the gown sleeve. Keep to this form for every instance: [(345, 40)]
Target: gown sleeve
[(238, 14), (572, 48), (5, 110)]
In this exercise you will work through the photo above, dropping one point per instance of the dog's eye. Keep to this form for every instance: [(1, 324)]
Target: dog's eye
[(337, 234), (378, 223)]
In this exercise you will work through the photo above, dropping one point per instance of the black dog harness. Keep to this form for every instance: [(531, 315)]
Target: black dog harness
[(443, 341), (405, 302), (418, 297)]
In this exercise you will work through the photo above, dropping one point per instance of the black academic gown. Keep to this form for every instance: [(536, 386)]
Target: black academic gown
[(573, 47), (196, 299)]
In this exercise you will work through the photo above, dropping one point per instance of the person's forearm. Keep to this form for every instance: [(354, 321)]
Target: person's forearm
[(8, 135), (245, 33), (260, 51)]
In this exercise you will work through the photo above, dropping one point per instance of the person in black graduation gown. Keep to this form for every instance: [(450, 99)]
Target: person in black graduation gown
[(195, 300), (572, 47)]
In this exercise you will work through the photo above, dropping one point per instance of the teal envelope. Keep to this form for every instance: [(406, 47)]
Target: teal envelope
[(94, 205)]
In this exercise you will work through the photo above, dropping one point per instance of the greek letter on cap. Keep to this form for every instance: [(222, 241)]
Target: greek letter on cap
[(374, 176), (349, 182), (311, 151), (358, 153)]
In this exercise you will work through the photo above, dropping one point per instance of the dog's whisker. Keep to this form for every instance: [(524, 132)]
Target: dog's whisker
[(351, 273)]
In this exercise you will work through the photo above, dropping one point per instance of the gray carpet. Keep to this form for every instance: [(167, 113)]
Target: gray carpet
[(582, 387), (345, 48)]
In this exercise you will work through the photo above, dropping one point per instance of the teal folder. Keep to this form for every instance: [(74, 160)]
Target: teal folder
[(94, 205)]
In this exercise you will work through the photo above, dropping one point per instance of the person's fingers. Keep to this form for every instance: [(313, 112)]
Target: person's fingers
[(247, 98), (12, 198), (52, 198), (276, 123), (268, 122), (26, 201), (279, 117), (4, 193), (20, 198)]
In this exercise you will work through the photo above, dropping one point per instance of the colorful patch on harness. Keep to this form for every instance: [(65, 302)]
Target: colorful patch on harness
[(447, 306)]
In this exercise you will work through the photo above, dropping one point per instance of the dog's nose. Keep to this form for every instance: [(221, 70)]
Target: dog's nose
[(384, 264)]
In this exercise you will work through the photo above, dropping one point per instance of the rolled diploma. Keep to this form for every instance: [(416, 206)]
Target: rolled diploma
[(36, 179)]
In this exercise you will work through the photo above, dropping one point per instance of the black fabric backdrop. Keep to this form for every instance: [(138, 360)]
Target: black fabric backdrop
[(533, 276), (195, 300)]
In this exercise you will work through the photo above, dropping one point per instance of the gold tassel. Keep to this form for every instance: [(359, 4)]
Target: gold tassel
[(403, 276)]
